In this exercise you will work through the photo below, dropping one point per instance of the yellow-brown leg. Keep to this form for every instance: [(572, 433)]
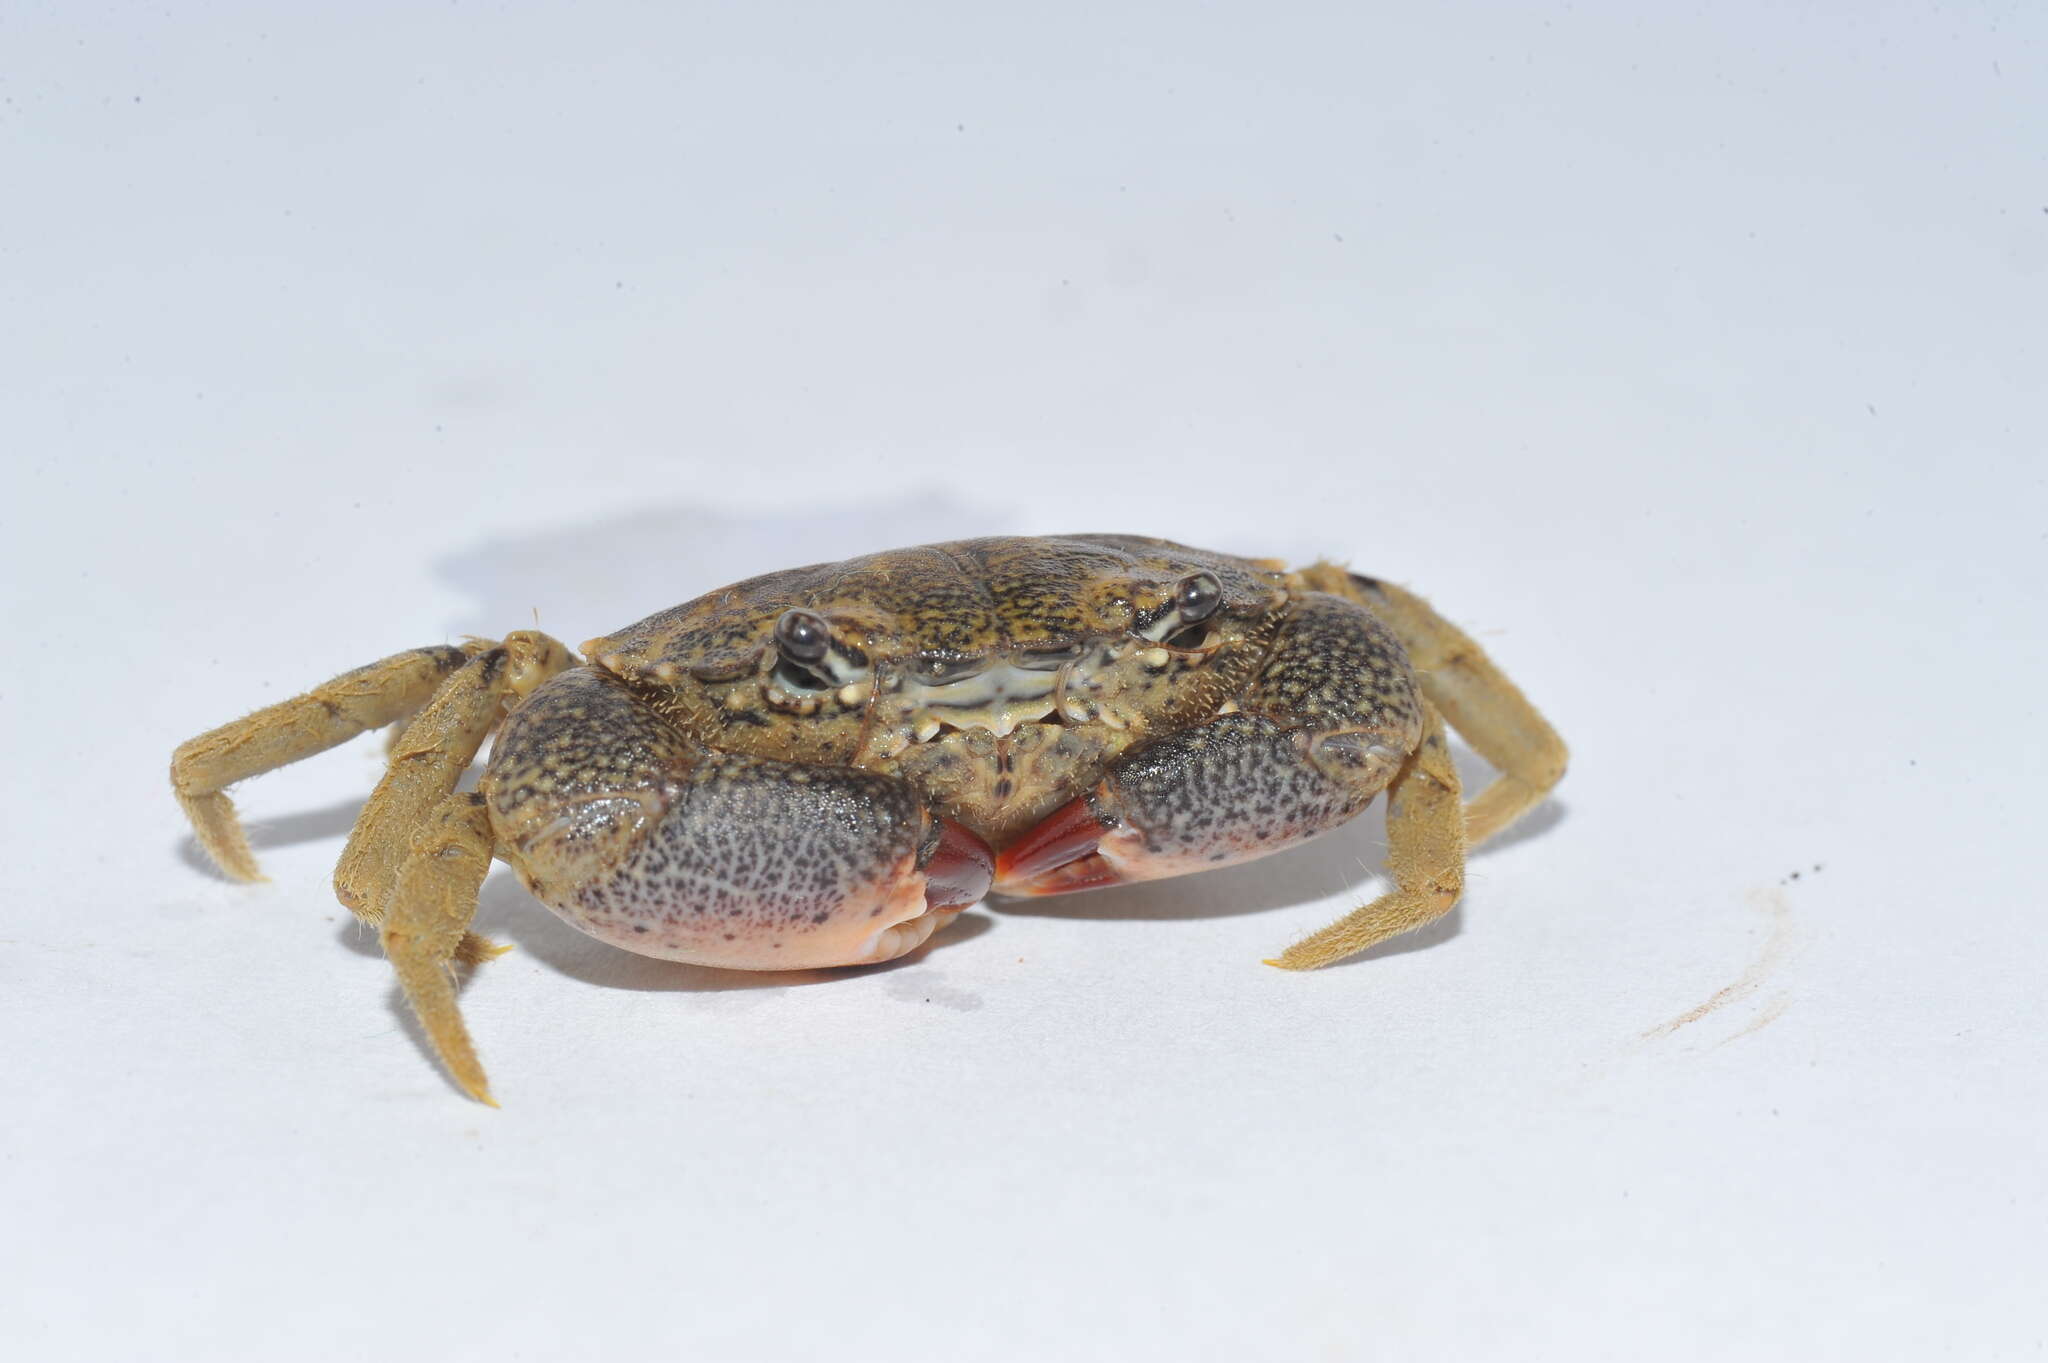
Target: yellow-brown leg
[(1425, 852), (430, 757), (1474, 696), (432, 902), (331, 713)]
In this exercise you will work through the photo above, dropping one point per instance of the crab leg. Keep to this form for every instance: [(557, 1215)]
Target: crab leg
[(430, 757), (420, 850), (331, 713), (1425, 851), (1479, 701), (432, 905)]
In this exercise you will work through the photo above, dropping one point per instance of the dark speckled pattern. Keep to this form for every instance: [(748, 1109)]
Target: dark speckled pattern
[(644, 838), (581, 735), (966, 597), (708, 664), (1236, 788), (1323, 729), (759, 851), (1336, 666)]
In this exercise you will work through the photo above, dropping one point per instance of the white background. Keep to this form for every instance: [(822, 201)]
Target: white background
[(1693, 360)]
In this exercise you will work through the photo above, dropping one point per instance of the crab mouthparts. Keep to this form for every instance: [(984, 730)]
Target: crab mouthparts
[(998, 698)]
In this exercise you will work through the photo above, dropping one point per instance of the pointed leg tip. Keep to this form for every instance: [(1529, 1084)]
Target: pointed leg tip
[(1299, 961)]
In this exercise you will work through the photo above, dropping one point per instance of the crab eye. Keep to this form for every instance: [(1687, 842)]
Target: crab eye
[(1197, 597), (802, 637)]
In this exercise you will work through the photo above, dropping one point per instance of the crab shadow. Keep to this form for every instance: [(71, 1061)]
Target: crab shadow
[(269, 834)]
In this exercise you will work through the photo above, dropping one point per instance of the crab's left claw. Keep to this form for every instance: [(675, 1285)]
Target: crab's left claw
[(1090, 844), (1064, 852), (1237, 788)]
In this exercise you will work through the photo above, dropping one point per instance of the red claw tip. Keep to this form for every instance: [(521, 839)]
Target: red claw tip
[(960, 871), (1057, 855)]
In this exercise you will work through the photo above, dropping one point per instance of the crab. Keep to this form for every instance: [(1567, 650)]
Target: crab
[(824, 766)]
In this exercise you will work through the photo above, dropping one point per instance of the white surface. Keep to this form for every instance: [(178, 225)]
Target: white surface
[(1694, 361)]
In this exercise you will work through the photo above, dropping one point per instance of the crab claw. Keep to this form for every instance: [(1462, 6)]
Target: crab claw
[(960, 869), (957, 869), (1072, 848), (722, 859), (1240, 787)]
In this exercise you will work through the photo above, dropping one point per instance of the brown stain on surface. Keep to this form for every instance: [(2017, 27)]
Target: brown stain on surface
[(1773, 1009), (1776, 948)]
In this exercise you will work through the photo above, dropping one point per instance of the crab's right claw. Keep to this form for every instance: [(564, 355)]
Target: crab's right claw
[(722, 859), (958, 869)]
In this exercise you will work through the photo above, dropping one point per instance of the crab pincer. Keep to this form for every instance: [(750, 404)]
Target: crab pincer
[(648, 840), (1239, 787), (1063, 852)]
